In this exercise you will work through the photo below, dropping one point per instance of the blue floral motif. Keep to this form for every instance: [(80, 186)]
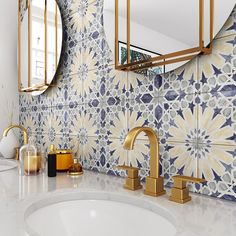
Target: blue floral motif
[(92, 107)]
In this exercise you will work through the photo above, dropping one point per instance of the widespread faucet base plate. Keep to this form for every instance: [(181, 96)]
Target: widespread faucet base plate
[(181, 201), (154, 194), (154, 186), (132, 188)]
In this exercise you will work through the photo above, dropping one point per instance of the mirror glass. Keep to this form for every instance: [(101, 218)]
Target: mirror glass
[(40, 44), (160, 27)]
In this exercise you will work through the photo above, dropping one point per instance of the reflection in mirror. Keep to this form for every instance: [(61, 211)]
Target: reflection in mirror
[(40, 40), (161, 27)]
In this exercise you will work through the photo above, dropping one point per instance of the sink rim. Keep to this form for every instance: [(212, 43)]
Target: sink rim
[(96, 195), (11, 163)]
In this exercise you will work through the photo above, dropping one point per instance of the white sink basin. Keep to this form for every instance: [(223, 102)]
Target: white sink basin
[(7, 165), (98, 217)]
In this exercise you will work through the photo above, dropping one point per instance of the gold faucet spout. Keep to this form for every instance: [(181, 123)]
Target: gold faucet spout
[(154, 147), (25, 135), (154, 182)]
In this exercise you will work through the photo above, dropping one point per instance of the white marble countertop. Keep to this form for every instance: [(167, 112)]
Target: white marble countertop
[(203, 216)]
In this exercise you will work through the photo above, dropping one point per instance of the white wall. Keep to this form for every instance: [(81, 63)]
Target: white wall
[(143, 37), (9, 97)]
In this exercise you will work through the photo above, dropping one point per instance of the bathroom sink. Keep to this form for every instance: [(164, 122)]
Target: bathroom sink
[(7, 165), (101, 217)]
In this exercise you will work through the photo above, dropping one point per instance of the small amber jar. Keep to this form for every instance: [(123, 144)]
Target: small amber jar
[(64, 159)]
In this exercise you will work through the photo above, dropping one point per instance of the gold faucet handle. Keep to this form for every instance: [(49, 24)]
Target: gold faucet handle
[(132, 171), (132, 181), (180, 192)]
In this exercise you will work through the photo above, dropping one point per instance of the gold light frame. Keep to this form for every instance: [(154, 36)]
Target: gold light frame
[(45, 85), (179, 56)]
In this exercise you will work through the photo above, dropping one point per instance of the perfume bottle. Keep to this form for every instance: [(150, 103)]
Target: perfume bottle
[(75, 169), (52, 162), (30, 160)]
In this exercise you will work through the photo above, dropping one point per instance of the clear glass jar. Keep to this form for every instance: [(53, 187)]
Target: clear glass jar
[(31, 162)]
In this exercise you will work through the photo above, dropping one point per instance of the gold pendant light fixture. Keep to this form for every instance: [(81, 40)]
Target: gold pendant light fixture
[(170, 58)]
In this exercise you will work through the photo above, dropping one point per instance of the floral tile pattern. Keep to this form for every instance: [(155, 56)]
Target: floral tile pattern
[(92, 107), (217, 121), (219, 74)]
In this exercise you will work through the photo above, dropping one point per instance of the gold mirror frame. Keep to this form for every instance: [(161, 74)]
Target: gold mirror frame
[(39, 88), (179, 56)]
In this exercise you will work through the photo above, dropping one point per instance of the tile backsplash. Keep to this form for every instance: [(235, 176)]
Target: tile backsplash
[(93, 106)]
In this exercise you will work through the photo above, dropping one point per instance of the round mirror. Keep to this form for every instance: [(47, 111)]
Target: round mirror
[(161, 27), (39, 44)]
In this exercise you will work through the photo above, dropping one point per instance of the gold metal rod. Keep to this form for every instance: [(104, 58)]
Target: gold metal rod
[(212, 19), (19, 46), (45, 42), (56, 33), (163, 57), (128, 31), (116, 32), (201, 24), (29, 43), (186, 58)]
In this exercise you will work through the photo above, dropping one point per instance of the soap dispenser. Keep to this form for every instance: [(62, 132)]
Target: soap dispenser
[(30, 162)]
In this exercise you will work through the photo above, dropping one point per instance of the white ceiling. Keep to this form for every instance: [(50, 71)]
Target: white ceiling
[(177, 19)]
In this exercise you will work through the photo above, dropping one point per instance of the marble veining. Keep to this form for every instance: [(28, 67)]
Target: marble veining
[(22, 195)]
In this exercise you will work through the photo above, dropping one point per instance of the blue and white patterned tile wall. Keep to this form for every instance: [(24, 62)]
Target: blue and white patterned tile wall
[(93, 106)]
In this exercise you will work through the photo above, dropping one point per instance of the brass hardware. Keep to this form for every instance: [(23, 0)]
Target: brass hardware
[(154, 182), (180, 192), (132, 181), (17, 153), (39, 87), (25, 135), (179, 56)]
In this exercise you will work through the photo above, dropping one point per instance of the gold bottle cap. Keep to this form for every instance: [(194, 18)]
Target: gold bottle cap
[(63, 151), (52, 149)]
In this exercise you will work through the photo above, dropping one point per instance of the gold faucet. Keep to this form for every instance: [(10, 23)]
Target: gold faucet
[(25, 135), (154, 182)]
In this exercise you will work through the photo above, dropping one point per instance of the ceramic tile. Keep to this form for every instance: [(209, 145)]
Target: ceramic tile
[(178, 83), (217, 118), (27, 120), (178, 159), (90, 152), (92, 106), (116, 154), (96, 52), (117, 84), (60, 121), (139, 115), (141, 87), (140, 155), (99, 87), (75, 91), (219, 73), (216, 163), (47, 139), (177, 119)]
